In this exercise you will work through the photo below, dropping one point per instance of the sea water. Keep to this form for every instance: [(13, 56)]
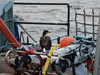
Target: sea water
[(52, 14)]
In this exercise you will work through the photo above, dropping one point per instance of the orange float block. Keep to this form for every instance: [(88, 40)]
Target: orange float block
[(7, 33), (66, 41)]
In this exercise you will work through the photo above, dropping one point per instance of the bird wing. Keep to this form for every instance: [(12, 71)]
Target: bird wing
[(43, 41), (49, 42)]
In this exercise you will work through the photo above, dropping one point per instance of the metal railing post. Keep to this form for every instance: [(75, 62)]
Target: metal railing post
[(97, 55)]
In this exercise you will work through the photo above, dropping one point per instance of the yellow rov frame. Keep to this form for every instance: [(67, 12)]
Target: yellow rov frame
[(49, 59)]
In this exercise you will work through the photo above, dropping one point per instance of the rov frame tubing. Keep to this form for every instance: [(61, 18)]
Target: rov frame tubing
[(49, 59), (37, 23)]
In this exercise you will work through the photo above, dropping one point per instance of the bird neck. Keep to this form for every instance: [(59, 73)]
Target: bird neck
[(43, 34)]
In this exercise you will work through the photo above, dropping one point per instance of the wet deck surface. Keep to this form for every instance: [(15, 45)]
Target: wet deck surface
[(5, 74), (4, 68)]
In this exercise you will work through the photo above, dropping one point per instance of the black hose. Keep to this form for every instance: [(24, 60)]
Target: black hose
[(73, 67)]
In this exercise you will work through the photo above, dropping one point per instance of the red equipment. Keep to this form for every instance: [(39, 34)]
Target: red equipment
[(7, 33)]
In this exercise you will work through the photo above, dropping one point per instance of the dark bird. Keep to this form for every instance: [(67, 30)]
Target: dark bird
[(45, 41)]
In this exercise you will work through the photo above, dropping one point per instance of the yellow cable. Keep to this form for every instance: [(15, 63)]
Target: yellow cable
[(49, 58)]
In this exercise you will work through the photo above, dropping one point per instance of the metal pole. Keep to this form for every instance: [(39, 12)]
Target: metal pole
[(76, 22), (68, 20), (84, 22), (97, 55), (93, 24)]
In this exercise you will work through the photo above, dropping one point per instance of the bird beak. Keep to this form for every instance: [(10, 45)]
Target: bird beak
[(48, 32)]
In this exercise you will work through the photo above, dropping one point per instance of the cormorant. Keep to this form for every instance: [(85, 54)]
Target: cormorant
[(45, 41)]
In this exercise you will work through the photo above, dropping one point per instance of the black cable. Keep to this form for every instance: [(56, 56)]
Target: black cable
[(73, 67)]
